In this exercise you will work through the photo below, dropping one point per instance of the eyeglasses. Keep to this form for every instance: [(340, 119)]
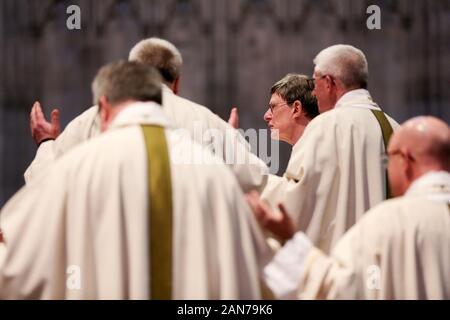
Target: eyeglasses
[(273, 107), (385, 156)]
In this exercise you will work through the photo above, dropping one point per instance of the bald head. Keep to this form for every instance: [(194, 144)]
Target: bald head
[(427, 139), (424, 146)]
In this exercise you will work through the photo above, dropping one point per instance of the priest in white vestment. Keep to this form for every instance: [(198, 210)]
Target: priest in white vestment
[(82, 230), (202, 125), (335, 172), (400, 249)]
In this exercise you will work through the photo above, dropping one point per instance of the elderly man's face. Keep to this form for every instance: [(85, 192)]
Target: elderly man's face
[(279, 118), (322, 92)]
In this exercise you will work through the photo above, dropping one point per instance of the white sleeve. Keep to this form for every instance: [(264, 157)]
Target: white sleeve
[(284, 272), (45, 155)]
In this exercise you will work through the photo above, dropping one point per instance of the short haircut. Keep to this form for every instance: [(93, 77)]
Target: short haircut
[(344, 62), (123, 80), (161, 54), (297, 87)]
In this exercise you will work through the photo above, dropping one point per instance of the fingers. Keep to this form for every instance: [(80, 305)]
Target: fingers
[(54, 118), (255, 204), (252, 199), (33, 111), (34, 116), (234, 118), (267, 216), (287, 225), (56, 127), (37, 104), (279, 223), (38, 112), (261, 210), (283, 211), (252, 195), (42, 129)]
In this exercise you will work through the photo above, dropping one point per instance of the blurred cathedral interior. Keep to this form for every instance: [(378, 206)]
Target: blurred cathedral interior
[(233, 51)]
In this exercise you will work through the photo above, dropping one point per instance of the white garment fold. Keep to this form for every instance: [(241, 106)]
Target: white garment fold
[(399, 250), (88, 217), (197, 121), (335, 173)]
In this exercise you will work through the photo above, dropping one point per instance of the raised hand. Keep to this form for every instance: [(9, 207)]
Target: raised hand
[(41, 129), (280, 223)]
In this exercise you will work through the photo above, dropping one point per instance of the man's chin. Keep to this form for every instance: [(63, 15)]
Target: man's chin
[(274, 134)]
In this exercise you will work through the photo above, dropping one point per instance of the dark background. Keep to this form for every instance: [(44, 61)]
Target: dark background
[(233, 51)]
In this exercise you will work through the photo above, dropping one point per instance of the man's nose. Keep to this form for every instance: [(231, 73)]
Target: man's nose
[(267, 116)]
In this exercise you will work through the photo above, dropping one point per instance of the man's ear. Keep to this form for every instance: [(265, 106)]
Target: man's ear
[(176, 85), (297, 109), (330, 82), (105, 112), (408, 165)]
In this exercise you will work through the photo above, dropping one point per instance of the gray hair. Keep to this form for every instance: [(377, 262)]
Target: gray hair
[(344, 62), (123, 80), (161, 54), (299, 87)]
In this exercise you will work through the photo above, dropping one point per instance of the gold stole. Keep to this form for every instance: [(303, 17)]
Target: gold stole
[(160, 216), (160, 213), (386, 130)]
